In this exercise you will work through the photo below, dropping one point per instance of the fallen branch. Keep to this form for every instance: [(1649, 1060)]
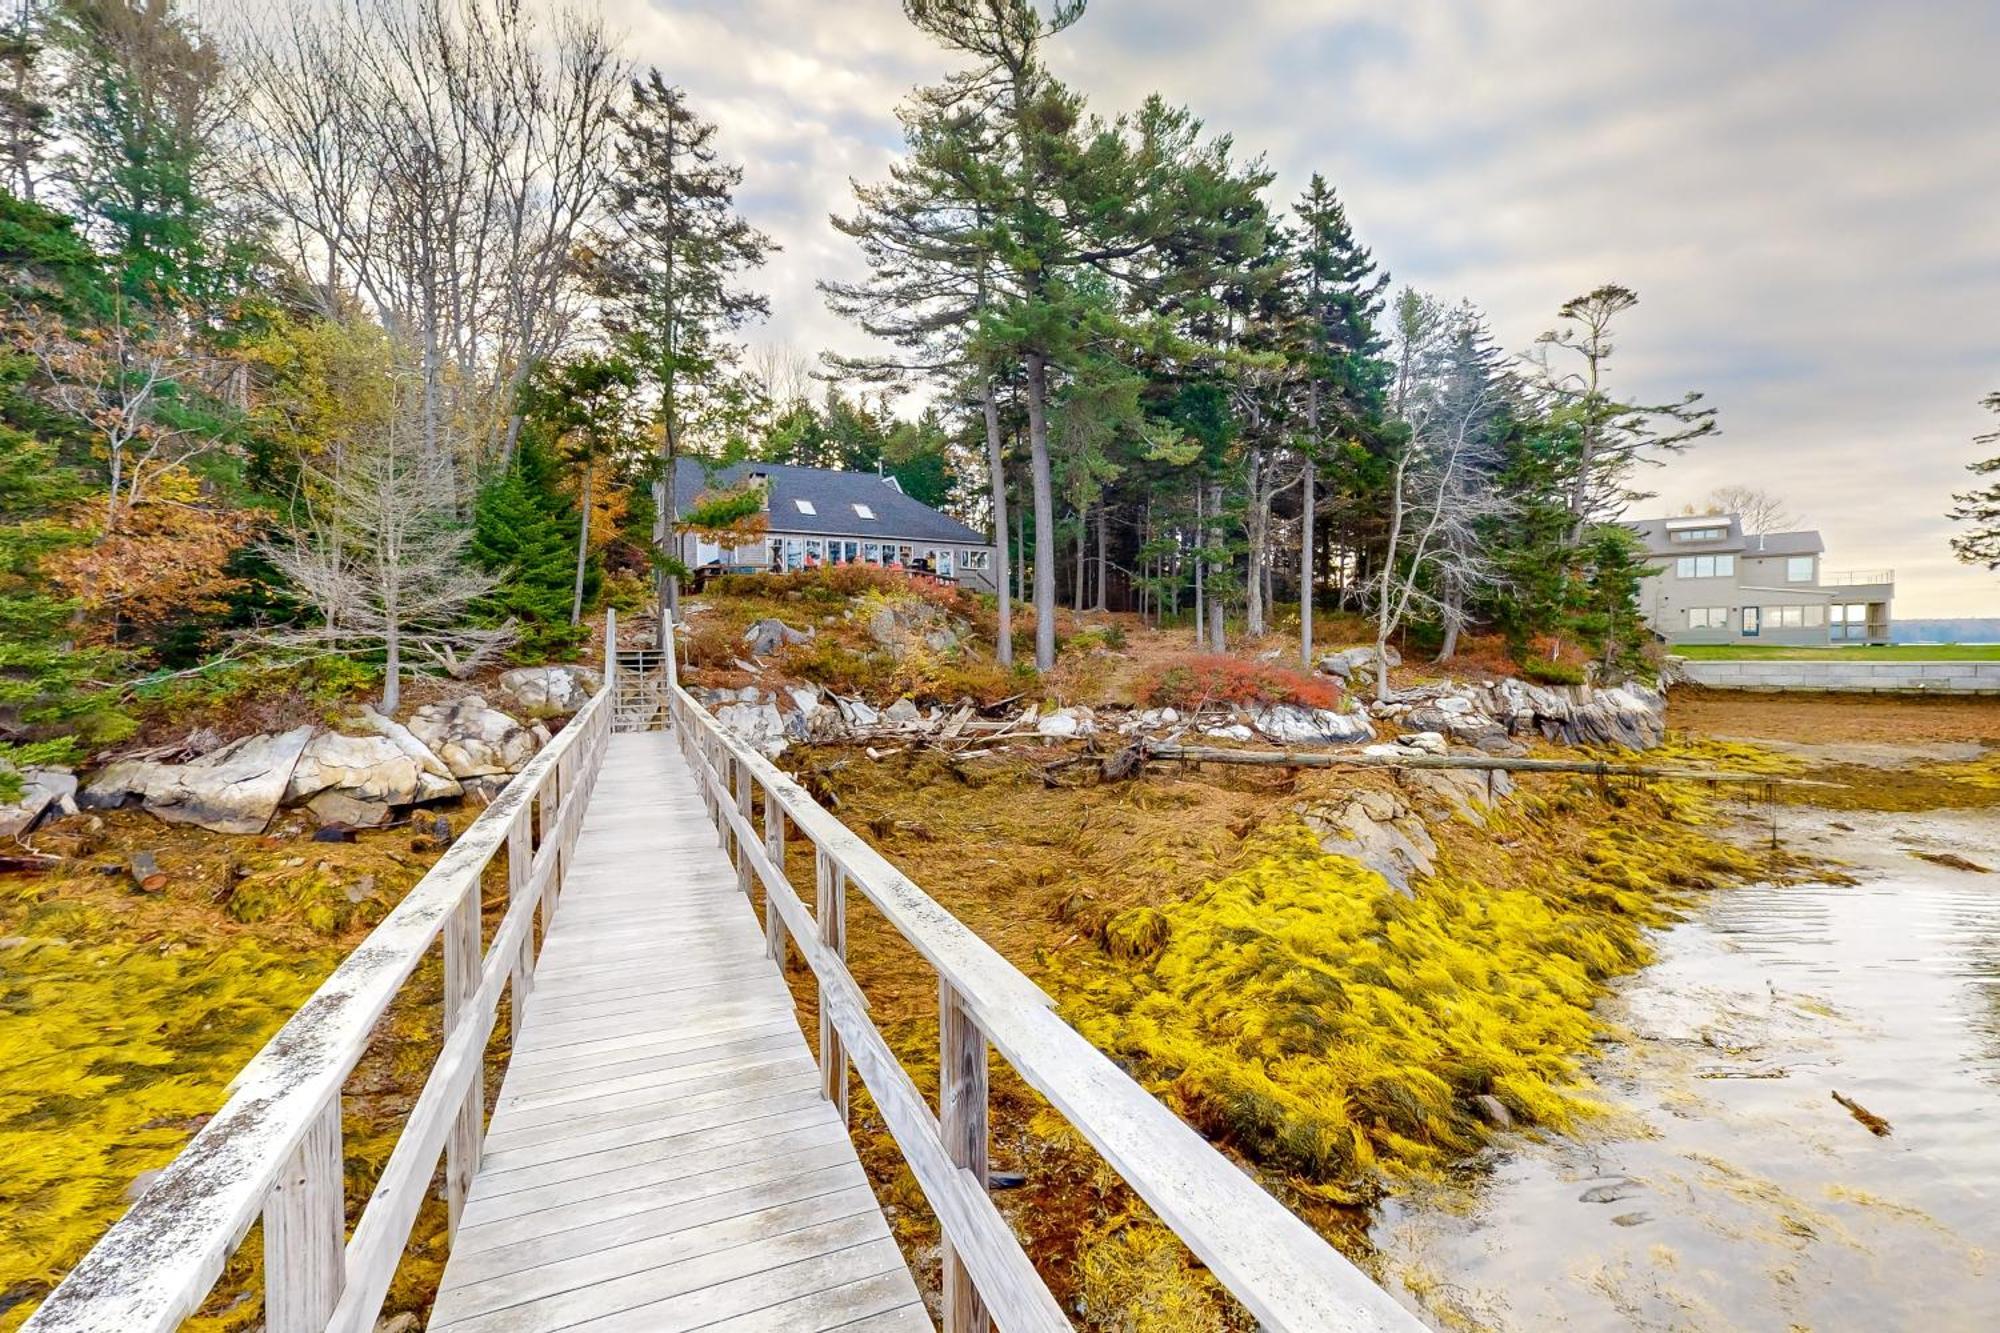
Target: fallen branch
[(1152, 751), (1873, 1123)]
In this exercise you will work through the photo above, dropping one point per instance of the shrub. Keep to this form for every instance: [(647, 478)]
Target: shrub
[(1217, 678), (1548, 671)]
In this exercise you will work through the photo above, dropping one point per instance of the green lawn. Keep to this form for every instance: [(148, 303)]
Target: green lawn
[(1900, 652)]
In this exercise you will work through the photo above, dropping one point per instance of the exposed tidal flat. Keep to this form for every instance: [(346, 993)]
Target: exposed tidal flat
[(1728, 1187)]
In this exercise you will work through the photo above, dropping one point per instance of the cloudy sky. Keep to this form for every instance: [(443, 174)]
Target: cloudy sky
[(1805, 194)]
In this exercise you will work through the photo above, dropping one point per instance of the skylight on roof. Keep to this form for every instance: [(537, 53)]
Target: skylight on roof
[(863, 511), (805, 506)]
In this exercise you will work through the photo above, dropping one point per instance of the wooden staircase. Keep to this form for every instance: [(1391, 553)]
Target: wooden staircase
[(642, 682)]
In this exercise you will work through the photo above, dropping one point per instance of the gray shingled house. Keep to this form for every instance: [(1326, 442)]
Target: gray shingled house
[(1720, 584), (823, 516)]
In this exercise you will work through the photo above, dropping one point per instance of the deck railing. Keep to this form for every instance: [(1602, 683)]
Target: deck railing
[(1852, 578), (274, 1149), (1279, 1268)]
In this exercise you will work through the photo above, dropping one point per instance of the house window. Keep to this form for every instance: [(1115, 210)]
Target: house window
[(1753, 620), (1699, 535), (863, 511), (805, 506), (1705, 566), (1794, 617), (1799, 569), (814, 551), (777, 553), (1708, 617), (975, 559), (872, 552), (795, 553)]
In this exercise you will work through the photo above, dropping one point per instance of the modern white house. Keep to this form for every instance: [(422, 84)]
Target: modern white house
[(1720, 584), (823, 516)]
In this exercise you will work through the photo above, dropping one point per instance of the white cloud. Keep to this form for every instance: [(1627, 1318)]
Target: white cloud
[(1802, 194)]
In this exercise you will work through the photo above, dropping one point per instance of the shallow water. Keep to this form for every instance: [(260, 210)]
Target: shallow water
[(1728, 1189)]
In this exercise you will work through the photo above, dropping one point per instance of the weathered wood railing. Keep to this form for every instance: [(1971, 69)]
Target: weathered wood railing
[(1280, 1269), (274, 1149)]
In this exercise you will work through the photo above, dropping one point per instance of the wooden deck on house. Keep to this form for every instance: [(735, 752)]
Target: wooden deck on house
[(661, 1155)]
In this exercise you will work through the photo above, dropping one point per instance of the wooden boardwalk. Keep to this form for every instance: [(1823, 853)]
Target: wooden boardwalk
[(661, 1155)]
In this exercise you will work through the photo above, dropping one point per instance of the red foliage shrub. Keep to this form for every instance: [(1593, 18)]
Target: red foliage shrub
[(1216, 678)]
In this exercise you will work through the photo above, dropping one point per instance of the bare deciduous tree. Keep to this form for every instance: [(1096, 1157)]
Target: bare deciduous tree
[(377, 552), (441, 160), (1760, 510), (1440, 491), (123, 380)]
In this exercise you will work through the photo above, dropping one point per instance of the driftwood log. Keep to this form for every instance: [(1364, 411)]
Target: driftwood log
[(1127, 762)]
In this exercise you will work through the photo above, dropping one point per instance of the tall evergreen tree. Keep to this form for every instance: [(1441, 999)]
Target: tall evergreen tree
[(1980, 508), (1341, 294), (523, 528), (1614, 435), (138, 118), (672, 276), (52, 702)]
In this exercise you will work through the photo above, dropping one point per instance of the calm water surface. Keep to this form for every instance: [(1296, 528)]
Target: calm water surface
[(1728, 1190)]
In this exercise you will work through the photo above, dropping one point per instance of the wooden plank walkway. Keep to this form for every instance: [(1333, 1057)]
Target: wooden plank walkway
[(660, 1156)]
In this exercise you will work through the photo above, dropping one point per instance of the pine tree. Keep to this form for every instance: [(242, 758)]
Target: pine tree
[(1340, 292), (51, 704), (523, 530), (1980, 545), (671, 278)]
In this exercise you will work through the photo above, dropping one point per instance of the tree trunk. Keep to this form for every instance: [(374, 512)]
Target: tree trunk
[(1216, 642), (1045, 511), (1306, 571), (1082, 539), (1200, 582), (1253, 574), (1020, 553), (582, 549), (996, 467), (1384, 613), (1103, 560)]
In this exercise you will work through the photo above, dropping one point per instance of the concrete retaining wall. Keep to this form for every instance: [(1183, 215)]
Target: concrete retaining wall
[(1859, 677)]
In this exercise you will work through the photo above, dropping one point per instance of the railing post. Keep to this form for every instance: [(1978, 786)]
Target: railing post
[(461, 981), (962, 1123), (830, 913), (549, 811), (774, 850), (743, 809), (611, 661), (305, 1231), (519, 858)]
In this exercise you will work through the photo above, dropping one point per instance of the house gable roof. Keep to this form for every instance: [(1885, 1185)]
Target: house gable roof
[(833, 495)]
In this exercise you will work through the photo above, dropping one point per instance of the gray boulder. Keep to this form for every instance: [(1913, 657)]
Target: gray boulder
[(474, 740), (549, 691), (902, 626), (44, 792), (758, 725), (434, 779), (767, 636), (358, 780), (1377, 829), (1351, 662), (235, 789), (1294, 724), (1064, 723), (1424, 742)]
